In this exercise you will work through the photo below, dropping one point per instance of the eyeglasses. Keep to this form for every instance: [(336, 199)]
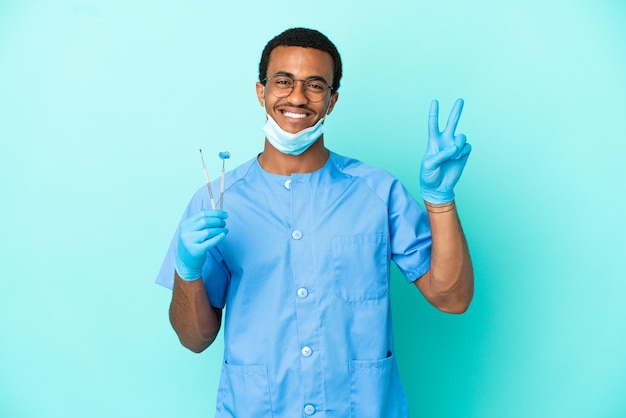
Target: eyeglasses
[(281, 85)]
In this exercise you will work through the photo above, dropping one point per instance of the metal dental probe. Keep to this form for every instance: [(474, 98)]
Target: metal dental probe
[(208, 182)]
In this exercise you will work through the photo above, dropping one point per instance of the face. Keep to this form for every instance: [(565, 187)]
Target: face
[(295, 112)]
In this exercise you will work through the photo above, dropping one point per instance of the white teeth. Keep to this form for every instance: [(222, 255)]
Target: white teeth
[(294, 115)]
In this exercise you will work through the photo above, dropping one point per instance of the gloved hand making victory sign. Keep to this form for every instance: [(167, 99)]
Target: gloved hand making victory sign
[(197, 234), (445, 157)]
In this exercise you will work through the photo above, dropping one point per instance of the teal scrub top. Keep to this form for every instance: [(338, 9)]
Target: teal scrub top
[(303, 275)]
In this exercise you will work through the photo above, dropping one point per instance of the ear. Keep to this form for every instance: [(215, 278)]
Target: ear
[(260, 93), (333, 100)]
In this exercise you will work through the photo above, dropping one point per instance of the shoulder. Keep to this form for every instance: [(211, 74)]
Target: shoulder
[(240, 172), (378, 180), (366, 172)]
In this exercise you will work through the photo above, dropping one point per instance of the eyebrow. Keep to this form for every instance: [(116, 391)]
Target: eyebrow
[(313, 77)]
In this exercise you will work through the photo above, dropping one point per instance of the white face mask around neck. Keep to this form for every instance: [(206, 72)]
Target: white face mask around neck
[(293, 144)]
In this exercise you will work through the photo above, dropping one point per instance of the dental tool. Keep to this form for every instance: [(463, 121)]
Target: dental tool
[(208, 182), (224, 155)]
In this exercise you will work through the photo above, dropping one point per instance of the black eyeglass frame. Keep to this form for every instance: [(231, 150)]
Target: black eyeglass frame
[(288, 91)]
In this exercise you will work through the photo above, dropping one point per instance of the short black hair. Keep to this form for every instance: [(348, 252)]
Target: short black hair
[(306, 38)]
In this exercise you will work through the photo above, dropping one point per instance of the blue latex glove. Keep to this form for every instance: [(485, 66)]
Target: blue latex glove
[(445, 156), (196, 235)]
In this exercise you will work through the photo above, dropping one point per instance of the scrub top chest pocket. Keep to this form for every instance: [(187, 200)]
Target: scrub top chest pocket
[(360, 267)]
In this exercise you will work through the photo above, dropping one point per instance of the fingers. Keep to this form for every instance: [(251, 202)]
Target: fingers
[(445, 154), (206, 219), (453, 119), (210, 213), (213, 241), (463, 152), (433, 119), (203, 235), (204, 226), (459, 142), (452, 152)]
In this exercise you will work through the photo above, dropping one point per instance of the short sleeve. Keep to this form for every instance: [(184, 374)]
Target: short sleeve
[(411, 241), (214, 272)]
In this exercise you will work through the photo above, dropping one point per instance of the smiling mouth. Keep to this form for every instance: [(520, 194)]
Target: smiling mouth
[(294, 115)]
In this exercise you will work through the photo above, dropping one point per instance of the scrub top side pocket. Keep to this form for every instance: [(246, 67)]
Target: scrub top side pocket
[(244, 392)]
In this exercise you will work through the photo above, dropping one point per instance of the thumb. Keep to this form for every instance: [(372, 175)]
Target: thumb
[(443, 155)]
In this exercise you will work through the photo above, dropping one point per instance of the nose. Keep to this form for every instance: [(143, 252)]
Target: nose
[(297, 95)]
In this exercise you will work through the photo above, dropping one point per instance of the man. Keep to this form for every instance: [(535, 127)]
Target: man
[(303, 268)]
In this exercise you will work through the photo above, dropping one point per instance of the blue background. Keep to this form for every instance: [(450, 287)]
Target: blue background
[(104, 104)]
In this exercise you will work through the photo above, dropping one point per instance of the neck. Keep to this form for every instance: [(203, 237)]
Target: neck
[(275, 162)]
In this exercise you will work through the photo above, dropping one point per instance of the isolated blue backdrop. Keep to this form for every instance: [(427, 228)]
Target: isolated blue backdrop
[(103, 105)]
